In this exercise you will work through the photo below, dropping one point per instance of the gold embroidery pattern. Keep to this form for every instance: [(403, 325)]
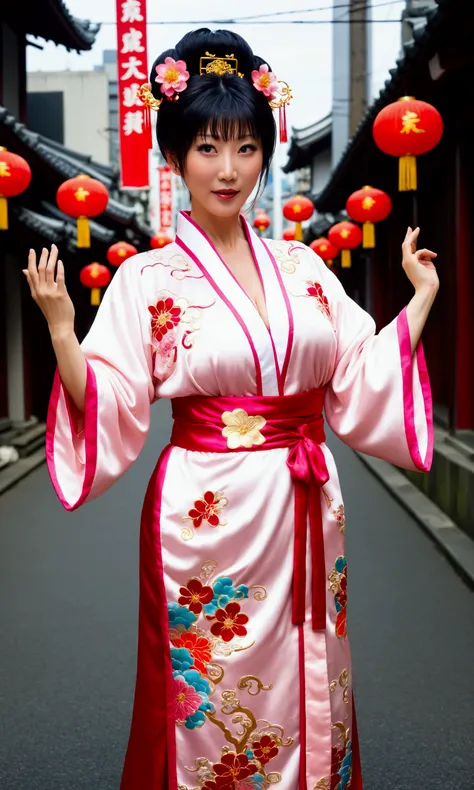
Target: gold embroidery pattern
[(170, 312), (340, 518), (178, 264), (343, 682), (286, 255), (341, 762)]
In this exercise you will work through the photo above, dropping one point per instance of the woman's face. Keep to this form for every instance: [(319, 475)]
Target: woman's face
[(222, 175)]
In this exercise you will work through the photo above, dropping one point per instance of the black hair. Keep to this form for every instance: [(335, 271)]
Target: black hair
[(226, 106)]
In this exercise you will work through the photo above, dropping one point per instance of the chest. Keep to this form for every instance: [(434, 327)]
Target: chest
[(245, 271)]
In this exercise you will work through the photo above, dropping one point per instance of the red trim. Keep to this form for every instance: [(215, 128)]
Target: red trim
[(302, 671), (406, 359), (90, 435), (356, 782), (258, 372), (151, 759)]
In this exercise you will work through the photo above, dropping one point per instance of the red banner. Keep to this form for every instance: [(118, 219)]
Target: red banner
[(132, 67), (166, 201)]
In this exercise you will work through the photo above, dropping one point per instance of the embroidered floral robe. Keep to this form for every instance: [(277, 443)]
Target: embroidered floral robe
[(229, 694)]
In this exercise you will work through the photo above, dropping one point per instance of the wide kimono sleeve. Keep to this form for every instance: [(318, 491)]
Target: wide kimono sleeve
[(86, 452), (378, 400)]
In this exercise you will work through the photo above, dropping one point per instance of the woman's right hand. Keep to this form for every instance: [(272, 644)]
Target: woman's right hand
[(49, 294)]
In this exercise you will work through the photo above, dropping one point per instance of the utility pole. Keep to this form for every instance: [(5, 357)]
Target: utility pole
[(359, 66)]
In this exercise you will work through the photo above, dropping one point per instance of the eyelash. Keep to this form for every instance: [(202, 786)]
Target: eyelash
[(208, 145)]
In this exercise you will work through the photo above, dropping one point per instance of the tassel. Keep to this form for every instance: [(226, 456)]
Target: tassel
[(83, 232), (3, 213), (283, 126), (95, 297), (329, 262), (368, 235), (407, 173), (298, 231), (346, 259), (148, 134)]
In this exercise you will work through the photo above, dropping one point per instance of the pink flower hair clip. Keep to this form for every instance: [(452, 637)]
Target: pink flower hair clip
[(173, 76), (276, 91)]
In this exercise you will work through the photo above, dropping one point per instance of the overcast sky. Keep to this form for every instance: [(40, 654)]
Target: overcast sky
[(300, 54)]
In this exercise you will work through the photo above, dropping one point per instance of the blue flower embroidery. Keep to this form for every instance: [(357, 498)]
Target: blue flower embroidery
[(224, 592), (345, 771), (181, 659), (180, 616)]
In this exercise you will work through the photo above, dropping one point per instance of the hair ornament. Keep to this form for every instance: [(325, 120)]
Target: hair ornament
[(173, 77)]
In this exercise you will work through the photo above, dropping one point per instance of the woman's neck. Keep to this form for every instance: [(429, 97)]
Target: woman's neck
[(226, 233)]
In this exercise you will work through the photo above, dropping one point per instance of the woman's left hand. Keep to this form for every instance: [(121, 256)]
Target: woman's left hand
[(418, 264)]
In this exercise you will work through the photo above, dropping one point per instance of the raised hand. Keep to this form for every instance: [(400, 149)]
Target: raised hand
[(50, 294), (417, 264)]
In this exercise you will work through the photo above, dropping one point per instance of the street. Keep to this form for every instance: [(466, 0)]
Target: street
[(68, 603)]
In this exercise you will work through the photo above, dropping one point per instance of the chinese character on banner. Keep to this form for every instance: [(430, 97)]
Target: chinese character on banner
[(166, 202), (132, 67)]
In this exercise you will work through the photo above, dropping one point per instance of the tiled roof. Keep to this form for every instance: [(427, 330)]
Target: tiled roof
[(51, 20), (306, 142)]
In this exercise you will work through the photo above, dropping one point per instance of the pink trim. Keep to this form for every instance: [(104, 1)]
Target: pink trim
[(406, 359), (302, 672), (291, 331), (180, 243), (90, 435), (275, 355)]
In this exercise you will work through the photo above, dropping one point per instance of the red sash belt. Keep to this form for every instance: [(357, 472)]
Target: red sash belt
[(293, 421)]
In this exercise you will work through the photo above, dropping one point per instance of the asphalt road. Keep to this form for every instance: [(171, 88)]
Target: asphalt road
[(68, 628)]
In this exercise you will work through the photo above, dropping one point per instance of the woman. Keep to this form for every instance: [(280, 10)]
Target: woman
[(244, 674)]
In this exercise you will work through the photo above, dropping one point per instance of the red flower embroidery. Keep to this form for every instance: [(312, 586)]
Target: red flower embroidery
[(195, 595), (219, 784), (164, 317), (233, 768), (205, 510), (198, 646), (230, 622), (337, 756), (265, 749), (315, 289)]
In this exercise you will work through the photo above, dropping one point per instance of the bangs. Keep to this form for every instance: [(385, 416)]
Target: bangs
[(232, 121)]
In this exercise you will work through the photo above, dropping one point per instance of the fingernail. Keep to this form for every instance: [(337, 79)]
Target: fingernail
[(31, 249)]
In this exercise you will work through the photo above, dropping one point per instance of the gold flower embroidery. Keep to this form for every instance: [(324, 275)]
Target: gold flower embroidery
[(242, 430)]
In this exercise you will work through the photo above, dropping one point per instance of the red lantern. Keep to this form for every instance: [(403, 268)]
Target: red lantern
[(82, 197), (297, 209), (368, 205), (346, 236), (261, 221), (95, 276), (407, 128), (324, 249), (119, 252), (15, 176), (160, 240), (289, 234)]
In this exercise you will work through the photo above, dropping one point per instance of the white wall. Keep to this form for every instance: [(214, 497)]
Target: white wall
[(86, 108), (320, 171)]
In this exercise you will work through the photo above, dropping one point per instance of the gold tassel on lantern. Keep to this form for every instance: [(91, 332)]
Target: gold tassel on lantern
[(368, 235), (3, 213), (407, 173), (346, 259), (299, 231), (329, 262), (95, 297), (83, 232)]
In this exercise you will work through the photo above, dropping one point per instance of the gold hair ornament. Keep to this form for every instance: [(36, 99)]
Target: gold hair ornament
[(144, 93), (211, 64)]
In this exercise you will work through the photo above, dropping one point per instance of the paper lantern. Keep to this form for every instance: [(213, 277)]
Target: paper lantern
[(324, 249), (345, 236), (15, 176), (95, 276), (82, 197), (160, 240), (298, 209), (119, 252), (368, 205), (289, 234), (261, 221), (407, 128)]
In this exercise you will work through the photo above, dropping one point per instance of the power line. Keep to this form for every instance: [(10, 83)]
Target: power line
[(255, 18)]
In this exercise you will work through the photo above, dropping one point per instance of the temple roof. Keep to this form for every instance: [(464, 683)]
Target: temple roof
[(51, 20)]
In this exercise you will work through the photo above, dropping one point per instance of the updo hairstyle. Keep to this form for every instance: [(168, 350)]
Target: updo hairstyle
[(224, 106)]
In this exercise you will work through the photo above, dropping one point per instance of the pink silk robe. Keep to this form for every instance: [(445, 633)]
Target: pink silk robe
[(230, 695)]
